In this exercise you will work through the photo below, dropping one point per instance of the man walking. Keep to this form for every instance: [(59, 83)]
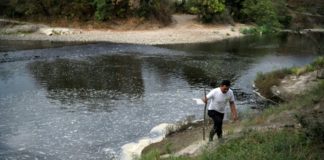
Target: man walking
[(220, 97)]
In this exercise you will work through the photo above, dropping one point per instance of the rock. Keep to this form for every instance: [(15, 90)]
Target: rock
[(26, 28), (57, 31), (275, 91), (47, 31), (320, 74)]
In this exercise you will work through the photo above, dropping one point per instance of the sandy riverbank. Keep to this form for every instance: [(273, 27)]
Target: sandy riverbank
[(184, 29)]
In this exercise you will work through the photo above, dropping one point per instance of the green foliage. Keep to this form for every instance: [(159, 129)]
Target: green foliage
[(152, 155), (262, 12), (313, 127), (267, 14), (108, 9), (155, 8), (269, 145), (101, 10), (319, 62), (258, 30), (207, 10), (78, 9), (104, 9), (277, 144)]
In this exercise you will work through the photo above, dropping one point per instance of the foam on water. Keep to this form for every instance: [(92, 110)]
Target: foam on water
[(134, 149)]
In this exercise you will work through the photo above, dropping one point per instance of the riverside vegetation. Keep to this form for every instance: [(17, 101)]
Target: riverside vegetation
[(290, 130), (268, 15)]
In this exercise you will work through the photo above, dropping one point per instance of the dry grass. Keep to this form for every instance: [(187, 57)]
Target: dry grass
[(132, 23)]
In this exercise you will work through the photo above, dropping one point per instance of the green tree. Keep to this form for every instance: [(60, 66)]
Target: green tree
[(207, 10), (262, 12), (157, 9), (104, 9)]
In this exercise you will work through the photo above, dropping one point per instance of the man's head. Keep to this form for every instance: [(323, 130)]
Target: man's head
[(225, 85)]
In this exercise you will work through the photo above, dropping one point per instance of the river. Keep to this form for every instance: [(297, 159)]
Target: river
[(85, 101)]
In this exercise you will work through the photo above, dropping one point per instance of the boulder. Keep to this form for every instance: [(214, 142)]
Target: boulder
[(57, 31), (320, 73)]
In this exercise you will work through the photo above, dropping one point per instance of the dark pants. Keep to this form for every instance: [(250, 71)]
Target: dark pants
[(218, 122)]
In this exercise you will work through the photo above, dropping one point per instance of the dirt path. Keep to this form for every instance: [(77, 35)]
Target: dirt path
[(184, 29)]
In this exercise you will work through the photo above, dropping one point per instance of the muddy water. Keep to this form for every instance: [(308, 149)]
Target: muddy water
[(86, 101)]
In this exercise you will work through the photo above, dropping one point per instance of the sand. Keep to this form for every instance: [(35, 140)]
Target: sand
[(184, 29)]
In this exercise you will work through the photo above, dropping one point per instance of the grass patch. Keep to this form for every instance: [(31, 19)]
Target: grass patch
[(275, 144), (284, 144), (258, 31), (152, 155), (317, 64)]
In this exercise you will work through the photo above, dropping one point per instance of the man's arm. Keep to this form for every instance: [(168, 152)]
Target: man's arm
[(204, 99), (208, 96), (233, 110)]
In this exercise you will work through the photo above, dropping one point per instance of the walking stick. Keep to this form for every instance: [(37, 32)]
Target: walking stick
[(204, 128)]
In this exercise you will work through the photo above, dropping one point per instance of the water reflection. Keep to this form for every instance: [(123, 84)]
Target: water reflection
[(252, 46), (45, 106), (25, 45), (96, 82)]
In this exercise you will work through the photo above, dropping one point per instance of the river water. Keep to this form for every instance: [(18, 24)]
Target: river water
[(85, 101)]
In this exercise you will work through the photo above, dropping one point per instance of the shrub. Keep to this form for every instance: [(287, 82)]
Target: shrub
[(258, 30), (319, 62), (207, 10), (262, 12), (269, 15), (210, 8), (108, 9), (79, 9), (157, 9)]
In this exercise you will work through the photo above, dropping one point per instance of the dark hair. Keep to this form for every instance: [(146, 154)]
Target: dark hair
[(226, 83)]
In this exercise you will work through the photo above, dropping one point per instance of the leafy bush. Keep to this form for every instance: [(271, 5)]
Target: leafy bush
[(101, 10), (319, 62), (108, 9), (157, 9), (104, 9), (207, 10), (258, 30), (262, 12), (268, 15)]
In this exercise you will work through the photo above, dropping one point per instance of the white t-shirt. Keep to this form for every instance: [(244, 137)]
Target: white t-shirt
[(219, 99)]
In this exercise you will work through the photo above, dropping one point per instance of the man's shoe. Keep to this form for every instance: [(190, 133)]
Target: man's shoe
[(211, 135)]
